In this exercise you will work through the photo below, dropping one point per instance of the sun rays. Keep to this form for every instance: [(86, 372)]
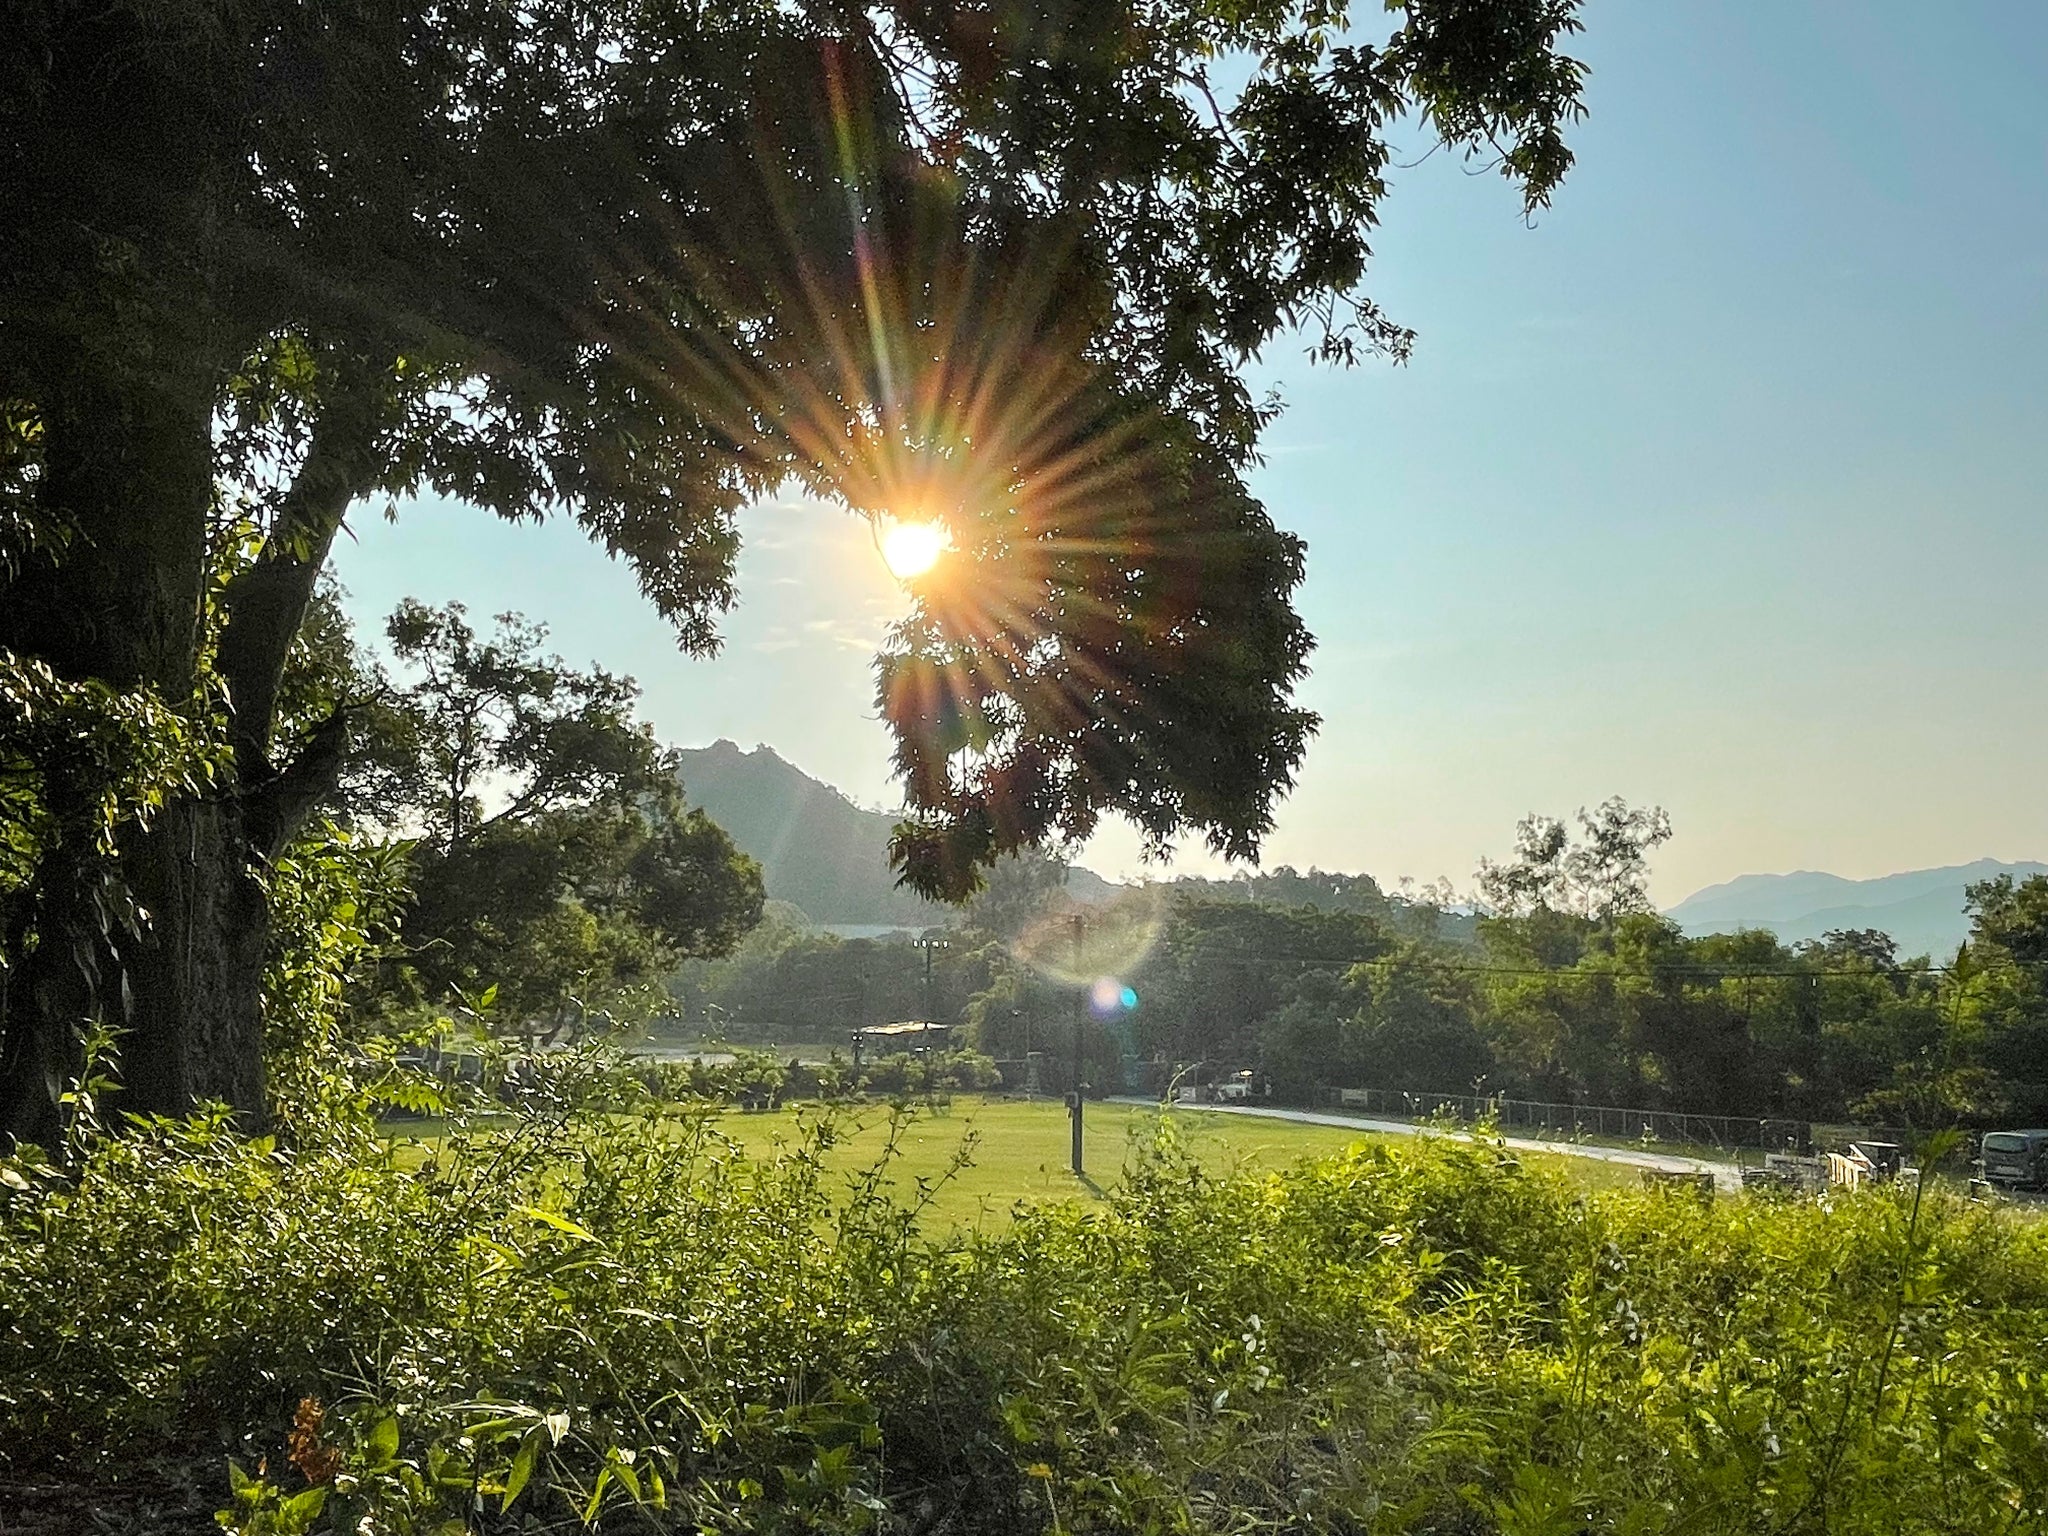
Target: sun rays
[(1084, 577)]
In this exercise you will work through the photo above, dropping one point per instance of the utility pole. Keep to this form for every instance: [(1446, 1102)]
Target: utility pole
[(1074, 1100), (860, 1016), (928, 945)]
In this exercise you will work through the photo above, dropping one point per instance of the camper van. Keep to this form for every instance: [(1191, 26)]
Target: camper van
[(2015, 1159)]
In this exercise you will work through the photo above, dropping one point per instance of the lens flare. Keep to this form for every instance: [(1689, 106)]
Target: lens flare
[(911, 549), (1111, 999), (1078, 948), (1052, 539)]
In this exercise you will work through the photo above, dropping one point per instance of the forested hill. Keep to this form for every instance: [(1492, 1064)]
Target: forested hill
[(1922, 908), (817, 848)]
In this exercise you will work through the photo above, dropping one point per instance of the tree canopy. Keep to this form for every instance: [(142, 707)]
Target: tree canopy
[(1600, 876), (554, 861), (637, 265)]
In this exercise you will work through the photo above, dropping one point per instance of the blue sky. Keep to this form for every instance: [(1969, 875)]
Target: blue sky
[(1724, 486)]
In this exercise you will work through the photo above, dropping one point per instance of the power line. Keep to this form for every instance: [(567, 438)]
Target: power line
[(1727, 973), (1571, 972)]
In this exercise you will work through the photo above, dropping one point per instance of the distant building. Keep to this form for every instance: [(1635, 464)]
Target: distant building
[(910, 1035)]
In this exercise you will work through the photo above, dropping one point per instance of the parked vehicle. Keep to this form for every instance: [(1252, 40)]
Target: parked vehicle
[(2014, 1159), (1868, 1162), (1235, 1089), (1788, 1170)]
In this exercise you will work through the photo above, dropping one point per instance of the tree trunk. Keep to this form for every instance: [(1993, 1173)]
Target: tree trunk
[(51, 993), (196, 978), (166, 941), (116, 340)]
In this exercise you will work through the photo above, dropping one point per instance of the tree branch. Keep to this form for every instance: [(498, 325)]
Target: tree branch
[(277, 808), (267, 602)]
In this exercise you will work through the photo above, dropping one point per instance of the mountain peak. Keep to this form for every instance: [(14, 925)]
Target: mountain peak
[(818, 848)]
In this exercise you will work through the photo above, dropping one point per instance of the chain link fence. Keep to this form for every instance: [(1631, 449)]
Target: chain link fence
[(1565, 1121)]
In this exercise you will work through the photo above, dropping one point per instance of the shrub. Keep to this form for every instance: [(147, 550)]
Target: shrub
[(618, 1319)]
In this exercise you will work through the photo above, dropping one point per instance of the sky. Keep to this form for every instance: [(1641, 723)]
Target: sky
[(1723, 485)]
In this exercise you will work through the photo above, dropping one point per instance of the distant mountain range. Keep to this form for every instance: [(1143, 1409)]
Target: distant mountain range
[(817, 849), (821, 852), (1921, 909)]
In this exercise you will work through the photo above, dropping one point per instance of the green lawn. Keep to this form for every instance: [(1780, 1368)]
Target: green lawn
[(1022, 1148)]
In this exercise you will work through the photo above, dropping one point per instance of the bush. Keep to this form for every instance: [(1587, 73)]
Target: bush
[(930, 1072), (761, 1079), (619, 1319)]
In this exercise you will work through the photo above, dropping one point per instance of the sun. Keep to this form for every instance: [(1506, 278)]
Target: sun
[(911, 549)]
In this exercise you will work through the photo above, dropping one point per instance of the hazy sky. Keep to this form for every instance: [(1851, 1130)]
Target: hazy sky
[(1722, 487)]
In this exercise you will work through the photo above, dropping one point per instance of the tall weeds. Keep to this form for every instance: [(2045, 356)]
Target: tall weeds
[(561, 1319)]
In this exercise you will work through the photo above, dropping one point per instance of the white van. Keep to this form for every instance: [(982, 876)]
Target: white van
[(2015, 1159)]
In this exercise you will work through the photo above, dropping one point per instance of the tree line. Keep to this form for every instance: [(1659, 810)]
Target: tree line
[(554, 875), (1558, 983)]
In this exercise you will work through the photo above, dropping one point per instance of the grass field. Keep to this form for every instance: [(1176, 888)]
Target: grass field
[(1021, 1149)]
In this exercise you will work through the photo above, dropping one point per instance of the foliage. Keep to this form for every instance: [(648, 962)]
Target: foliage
[(335, 899), (1602, 876), (81, 760), (927, 1073), (762, 1079), (785, 982), (585, 875), (621, 1320), (1549, 1004), (80, 764), (85, 768), (2013, 918), (1221, 969), (1428, 912), (638, 266), (1019, 890)]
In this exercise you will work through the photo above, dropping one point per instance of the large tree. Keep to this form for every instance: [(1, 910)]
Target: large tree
[(635, 265), (554, 861)]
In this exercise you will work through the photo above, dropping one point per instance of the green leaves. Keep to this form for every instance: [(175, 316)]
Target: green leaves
[(85, 760), (380, 1441), (1413, 1336), (558, 1222), (587, 880), (262, 1509), (524, 1460)]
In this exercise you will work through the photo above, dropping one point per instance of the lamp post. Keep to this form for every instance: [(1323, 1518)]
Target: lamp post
[(1074, 1100), (928, 945), (860, 1017)]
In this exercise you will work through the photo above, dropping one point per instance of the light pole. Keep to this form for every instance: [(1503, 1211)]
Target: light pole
[(860, 1016), (1074, 1100), (928, 945)]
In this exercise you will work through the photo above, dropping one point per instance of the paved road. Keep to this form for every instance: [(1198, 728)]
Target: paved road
[(1726, 1175)]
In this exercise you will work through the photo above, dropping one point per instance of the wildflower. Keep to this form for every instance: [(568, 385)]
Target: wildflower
[(316, 1460)]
